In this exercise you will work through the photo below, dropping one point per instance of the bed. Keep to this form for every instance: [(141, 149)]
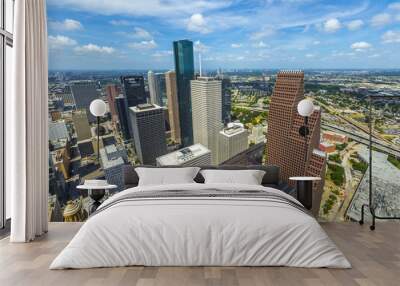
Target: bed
[(197, 224)]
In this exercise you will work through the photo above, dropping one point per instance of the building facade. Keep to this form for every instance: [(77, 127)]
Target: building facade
[(112, 92), (133, 89), (123, 117), (148, 124), (173, 106), (206, 113), (232, 140), (285, 146), (195, 155), (157, 88), (184, 69), (112, 161), (81, 124), (84, 92)]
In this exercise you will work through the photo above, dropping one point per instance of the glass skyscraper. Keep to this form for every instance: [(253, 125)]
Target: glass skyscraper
[(184, 68)]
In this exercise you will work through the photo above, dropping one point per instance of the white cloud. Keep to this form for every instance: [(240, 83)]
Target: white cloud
[(355, 25), (394, 6), (260, 44), (381, 20), (374, 56), (236, 46), (160, 54), (316, 42), (332, 25), (142, 33), (197, 23), (57, 42), (263, 33), (143, 45), (391, 37), (200, 47), (92, 48), (359, 46), (121, 23), (310, 55), (155, 8), (66, 25)]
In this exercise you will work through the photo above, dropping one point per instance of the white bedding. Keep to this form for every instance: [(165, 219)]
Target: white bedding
[(200, 231)]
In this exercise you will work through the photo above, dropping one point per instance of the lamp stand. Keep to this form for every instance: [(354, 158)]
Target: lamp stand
[(98, 139)]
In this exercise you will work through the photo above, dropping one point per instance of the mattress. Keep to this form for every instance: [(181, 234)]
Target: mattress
[(201, 225)]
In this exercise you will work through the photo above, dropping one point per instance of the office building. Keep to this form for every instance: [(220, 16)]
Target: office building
[(112, 160), (251, 156), (148, 125), (232, 140), (184, 69), (84, 92), (123, 117), (285, 146), (112, 92), (81, 124), (206, 113), (134, 91), (257, 134), (157, 88), (226, 98), (58, 130), (173, 106), (195, 155)]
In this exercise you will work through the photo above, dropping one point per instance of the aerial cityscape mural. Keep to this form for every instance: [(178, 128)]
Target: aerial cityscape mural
[(218, 83)]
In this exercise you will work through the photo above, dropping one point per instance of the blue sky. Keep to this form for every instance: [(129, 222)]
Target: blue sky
[(298, 34)]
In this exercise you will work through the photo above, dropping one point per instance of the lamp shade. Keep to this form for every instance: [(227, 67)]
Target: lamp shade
[(305, 107), (98, 107)]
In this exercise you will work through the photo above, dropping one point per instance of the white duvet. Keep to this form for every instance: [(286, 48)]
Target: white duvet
[(202, 232)]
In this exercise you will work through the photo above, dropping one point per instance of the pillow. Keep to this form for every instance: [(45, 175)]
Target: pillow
[(247, 177), (166, 176)]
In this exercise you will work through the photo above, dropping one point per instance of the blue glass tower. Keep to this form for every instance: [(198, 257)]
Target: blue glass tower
[(184, 69)]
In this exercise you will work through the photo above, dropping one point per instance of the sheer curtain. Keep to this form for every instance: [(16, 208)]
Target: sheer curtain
[(26, 124)]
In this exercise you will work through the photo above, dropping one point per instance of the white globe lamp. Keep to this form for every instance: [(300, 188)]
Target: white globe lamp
[(305, 108), (98, 107)]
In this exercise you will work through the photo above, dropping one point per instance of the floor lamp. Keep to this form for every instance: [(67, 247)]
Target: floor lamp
[(98, 109), (370, 204), (305, 108)]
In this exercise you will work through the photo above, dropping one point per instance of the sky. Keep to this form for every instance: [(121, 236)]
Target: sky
[(229, 34)]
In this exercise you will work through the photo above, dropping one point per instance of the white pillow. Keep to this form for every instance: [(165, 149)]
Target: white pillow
[(166, 176), (247, 177)]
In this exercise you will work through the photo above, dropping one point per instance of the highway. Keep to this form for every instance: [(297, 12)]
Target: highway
[(362, 139)]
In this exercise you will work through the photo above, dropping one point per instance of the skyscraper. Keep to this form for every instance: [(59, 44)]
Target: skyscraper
[(157, 88), (232, 140), (184, 68), (133, 87), (148, 125), (285, 147), (112, 92), (123, 117), (195, 155), (173, 106), (206, 113), (112, 159), (84, 92), (226, 98), (81, 125)]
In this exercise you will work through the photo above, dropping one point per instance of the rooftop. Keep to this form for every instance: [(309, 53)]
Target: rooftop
[(183, 155)]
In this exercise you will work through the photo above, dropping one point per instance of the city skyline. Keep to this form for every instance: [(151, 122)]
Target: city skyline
[(306, 34)]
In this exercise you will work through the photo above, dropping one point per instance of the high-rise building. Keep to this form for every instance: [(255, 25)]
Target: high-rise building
[(157, 88), (81, 125), (58, 130), (285, 146), (257, 134), (84, 92), (134, 91), (123, 117), (226, 98), (232, 140), (148, 125), (112, 160), (184, 69), (173, 106), (112, 92), (206, 113), (195, 155)]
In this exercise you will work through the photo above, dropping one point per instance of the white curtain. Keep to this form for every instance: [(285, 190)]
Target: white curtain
[(26, 123)]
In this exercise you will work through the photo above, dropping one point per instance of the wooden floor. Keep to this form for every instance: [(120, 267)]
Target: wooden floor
[(375, 257)]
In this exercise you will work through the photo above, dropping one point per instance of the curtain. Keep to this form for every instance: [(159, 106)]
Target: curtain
[(27, 123)]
